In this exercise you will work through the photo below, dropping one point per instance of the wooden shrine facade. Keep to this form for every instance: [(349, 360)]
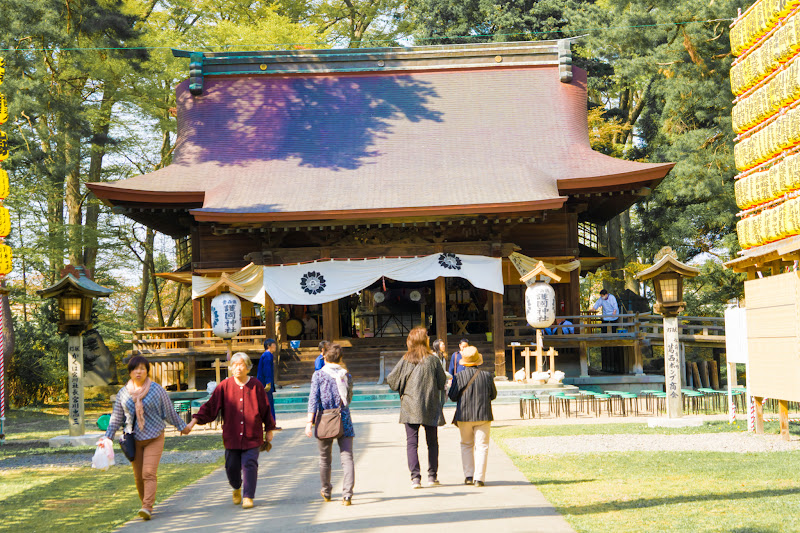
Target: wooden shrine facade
[(292, 156)]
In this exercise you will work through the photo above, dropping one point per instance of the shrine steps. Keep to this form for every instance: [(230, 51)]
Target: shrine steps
[(294, 398), (361, 358)]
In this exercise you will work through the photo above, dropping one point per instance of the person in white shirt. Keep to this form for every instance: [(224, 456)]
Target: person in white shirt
[(608, 304)]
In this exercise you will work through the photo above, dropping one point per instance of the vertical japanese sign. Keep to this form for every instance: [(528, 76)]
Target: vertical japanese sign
[(672, 362), (5, 251), (75, 370)]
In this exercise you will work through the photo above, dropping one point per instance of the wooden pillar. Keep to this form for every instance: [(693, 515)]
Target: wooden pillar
[(783, 418), (197, 314), (191, 370), (329, 320), (574, 304), (498, 335), (330, 315), (759, 415), (269, 317), (207, 315), (441, 310), (583, 351)]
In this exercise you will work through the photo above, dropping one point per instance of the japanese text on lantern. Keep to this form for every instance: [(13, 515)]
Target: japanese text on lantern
[(765, 78), (5, 218)]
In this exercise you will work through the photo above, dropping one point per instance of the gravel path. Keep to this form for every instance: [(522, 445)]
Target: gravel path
[(707, 442), (85, 459)]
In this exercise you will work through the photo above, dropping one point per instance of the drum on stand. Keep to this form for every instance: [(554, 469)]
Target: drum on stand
[(294, 328)]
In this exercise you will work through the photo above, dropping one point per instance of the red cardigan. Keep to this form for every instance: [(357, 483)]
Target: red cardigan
[(245, 413)]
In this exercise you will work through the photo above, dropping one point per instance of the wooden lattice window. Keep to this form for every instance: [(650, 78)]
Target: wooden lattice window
[(587, 235), (183, 251)]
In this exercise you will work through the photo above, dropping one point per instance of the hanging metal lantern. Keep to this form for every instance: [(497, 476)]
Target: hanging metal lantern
[(540, 305), (226, 315)]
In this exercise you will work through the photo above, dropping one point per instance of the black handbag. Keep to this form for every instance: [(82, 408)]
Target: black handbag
[(128, 443)]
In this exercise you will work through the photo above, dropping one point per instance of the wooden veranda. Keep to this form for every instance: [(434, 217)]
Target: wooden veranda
[(175, 353)]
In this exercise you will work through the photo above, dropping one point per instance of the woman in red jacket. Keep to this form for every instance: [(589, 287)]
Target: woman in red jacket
[(246, 417)]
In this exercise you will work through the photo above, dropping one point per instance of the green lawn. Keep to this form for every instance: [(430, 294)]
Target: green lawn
[(663, 491), (624, 428), (67, 498), (81, 499)]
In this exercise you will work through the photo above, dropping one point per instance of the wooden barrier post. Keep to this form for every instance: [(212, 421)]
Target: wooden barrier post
[(759, 415), (783, 418)]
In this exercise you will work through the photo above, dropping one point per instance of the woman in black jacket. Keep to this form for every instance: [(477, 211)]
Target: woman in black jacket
[(473, 391)]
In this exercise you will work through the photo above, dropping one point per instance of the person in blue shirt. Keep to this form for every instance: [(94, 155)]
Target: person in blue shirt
[(320, 361), (608, 305), (266, 371), (561, 324), (455, 360)]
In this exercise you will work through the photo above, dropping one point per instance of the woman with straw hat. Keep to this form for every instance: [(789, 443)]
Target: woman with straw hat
[(473, 391)]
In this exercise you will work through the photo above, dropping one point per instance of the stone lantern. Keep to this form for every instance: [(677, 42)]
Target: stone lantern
[(667, 275), (75, 292)]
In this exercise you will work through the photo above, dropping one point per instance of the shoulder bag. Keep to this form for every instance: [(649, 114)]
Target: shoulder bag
[(329, 424), (127, 443), (475, 375)]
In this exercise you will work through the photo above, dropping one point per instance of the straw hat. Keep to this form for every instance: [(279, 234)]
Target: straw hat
[(471, 357)]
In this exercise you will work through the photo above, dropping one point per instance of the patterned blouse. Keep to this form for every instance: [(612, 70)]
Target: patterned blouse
[(157, 408), (325, 395)]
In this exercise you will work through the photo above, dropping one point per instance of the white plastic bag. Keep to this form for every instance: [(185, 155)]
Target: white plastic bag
[(103, 458)]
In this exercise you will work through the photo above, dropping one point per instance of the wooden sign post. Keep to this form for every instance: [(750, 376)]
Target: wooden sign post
[(672, 364)]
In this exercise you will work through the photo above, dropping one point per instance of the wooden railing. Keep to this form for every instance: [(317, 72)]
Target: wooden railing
[(700, 330), (196, 342)]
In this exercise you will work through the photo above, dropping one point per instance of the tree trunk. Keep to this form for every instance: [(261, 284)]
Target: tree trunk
[(98, 151), (147, 268), (616, 284), (72, 197), (625, 224)]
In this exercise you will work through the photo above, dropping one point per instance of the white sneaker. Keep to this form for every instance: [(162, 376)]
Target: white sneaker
[(416, 485)]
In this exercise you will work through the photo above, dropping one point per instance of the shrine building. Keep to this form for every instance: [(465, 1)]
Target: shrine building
[(367, 191)]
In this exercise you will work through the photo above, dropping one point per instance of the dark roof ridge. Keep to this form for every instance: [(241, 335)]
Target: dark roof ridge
[(555, 53)]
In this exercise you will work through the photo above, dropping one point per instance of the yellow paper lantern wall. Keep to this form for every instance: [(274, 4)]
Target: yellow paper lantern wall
[(5, 259), (5, 222), (4, 186), (3, 146)]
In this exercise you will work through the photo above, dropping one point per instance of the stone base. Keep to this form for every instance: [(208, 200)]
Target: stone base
[(683, 422), (624, 382), (90, 439)]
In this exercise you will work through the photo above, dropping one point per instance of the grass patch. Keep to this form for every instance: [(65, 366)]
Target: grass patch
[(16, 449), (43, 423), (663, 491), (717, 426), (82, 499)]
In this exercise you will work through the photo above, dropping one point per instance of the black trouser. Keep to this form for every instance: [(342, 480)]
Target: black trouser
[(412, 442)]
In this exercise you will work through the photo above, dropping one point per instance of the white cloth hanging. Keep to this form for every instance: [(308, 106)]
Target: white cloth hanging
[(329, 280), (525, 264), (250, 278)]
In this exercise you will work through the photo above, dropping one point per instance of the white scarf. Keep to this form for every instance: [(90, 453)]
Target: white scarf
[(339, 374)]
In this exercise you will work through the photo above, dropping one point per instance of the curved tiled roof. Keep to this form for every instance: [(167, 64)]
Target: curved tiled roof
[(348, 145)]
